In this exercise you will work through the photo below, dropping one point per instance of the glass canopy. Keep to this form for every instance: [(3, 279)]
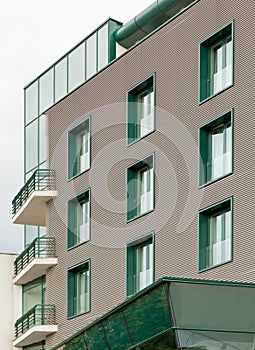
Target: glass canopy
[(174, 314)]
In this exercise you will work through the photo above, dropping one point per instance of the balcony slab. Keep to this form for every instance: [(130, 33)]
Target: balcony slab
[(35, 334), (33, 211), (36, 268)]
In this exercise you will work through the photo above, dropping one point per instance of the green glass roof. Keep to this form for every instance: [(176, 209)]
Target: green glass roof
[(175, 314)]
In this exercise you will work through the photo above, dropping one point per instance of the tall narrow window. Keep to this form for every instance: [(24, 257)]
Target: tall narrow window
[(145, 187), (140, 264), (141, 110), (216, 148), (79, 219), (140, 177), (222, 64), (144, 273), (79, 289), (216, 63), (79, 149), (215, 235)]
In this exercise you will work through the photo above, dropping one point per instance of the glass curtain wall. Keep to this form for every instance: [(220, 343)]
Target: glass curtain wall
[(72, 70)]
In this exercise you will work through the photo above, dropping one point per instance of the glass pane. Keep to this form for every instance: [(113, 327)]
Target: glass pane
[(145, 185), (31, 232), (165, 341), (214, 340), (61, 79), (144, 266), (76, 67), (42, 231), (81, 302), (76, 344), (29, 174), (31, 297), (116, 332), (103, 47), (217, 152), (228, 154), (46, 90), (91, 56), (214, 307), (43, 165), (31, 99), (31, 145), (145, 111), (95, 338), (142, 322), (43, 139)]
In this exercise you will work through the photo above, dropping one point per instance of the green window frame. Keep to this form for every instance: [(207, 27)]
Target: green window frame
[(216, 234), (141, 110), (78, 289), (140, 269), (140, 188), (217, 62), (79, 149), (216, 148), (79, 209)]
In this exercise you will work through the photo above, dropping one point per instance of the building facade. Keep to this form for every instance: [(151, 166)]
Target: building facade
[(138, 165), (11, 300)]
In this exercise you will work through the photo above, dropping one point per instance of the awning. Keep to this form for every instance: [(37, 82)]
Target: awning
[(175, 313)]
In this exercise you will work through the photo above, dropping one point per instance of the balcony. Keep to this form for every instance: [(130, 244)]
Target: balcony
[(35, 260), (29, 205), (35, 325)]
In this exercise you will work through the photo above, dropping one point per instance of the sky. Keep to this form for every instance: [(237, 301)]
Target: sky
[(33, 35)]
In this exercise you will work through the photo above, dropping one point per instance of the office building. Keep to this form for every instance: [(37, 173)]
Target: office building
[(138, 198)]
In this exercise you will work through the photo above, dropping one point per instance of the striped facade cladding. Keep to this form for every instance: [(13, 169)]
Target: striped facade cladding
[(172, 53)]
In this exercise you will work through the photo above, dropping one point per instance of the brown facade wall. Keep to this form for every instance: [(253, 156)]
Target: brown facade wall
[(172, 54)]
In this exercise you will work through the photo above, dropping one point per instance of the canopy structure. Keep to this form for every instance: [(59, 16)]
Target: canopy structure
[(173, 314)]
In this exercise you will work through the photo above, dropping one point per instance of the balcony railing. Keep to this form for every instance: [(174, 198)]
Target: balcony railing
[(41, 180), (41, 247), (39, 315)]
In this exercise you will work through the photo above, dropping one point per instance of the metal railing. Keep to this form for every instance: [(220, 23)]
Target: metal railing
[(40, 314), (41, 247), (41, 180)]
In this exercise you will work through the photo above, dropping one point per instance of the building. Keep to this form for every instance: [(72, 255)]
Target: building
[(139, 165), (11, 300)]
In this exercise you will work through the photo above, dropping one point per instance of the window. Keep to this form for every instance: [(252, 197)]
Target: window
[(216, 148), (140, 264), (79, 149), (33, 294), (216, 63), (140, 188), (215, 235), (79, 219), (141, 110), (79, 289)]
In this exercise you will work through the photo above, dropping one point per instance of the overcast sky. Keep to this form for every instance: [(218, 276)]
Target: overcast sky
[(34, 34)]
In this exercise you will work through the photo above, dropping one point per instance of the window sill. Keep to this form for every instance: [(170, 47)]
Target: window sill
[(213, 95), (215, 180), (77, 245), (140, 215), (215, 266), (77, 315), (140, 138), (84, 171)]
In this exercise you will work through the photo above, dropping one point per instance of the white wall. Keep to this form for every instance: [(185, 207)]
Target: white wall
[(10, 301)]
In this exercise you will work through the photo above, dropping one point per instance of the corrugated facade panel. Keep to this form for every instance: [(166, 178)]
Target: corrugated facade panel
[(172, 53)]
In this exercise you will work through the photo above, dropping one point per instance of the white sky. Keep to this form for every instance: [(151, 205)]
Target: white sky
[(33, 35)]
